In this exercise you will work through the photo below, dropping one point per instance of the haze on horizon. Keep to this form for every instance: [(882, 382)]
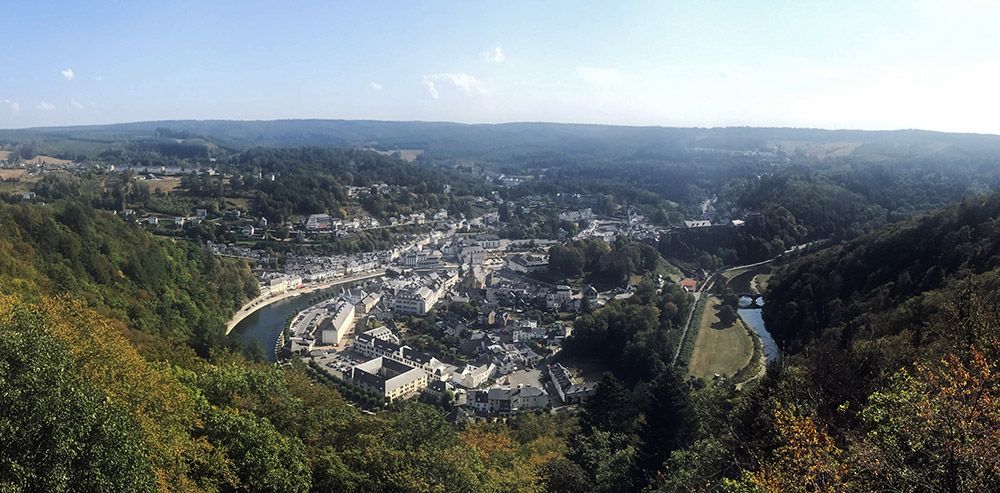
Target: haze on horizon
[(896, 64)]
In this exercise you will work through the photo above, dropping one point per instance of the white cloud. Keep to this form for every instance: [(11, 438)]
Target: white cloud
[(376, 86), (68, 74), (76, 104), (495, 56), (45, 106), (460, 81), (603, 77), (12, 106)]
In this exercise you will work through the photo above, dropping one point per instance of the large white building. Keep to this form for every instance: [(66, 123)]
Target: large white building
[(372, 346), (527, 263), (336, 326), (389, 378), (417, 302)]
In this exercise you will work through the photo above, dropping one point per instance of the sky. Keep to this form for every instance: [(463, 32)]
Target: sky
[(882, 64)]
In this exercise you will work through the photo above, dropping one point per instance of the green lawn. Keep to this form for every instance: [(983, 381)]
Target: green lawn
[(722, 350)]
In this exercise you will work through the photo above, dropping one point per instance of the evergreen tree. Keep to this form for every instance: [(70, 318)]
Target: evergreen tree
[(670, 423), (609, 409)]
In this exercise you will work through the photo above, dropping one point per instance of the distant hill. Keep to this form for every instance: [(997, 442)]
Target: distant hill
[(444, 140)]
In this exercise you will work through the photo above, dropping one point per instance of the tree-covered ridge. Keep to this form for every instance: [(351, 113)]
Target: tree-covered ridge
[(173, 289), (312, 180), (896, 269)]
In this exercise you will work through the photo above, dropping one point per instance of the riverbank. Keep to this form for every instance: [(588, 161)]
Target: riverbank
[(262, 301)]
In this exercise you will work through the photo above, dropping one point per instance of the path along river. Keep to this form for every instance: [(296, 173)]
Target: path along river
[(263, 326)]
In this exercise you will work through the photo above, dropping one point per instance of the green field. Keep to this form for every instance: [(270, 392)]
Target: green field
[(722, 350)]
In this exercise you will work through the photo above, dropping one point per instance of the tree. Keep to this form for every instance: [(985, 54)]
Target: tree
[(60, 432), (609, 459), (727, 315), (562, 475), (669, 422), (609, 408), (935, 429)]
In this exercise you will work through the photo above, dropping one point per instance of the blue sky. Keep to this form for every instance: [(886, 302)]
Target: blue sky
[(847, 64)]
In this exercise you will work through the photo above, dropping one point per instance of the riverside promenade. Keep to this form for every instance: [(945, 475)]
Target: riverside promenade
[(262, 301)]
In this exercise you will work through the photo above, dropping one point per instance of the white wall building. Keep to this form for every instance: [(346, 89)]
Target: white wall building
[(336, 326)]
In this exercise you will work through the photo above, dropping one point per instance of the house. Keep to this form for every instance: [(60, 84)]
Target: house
[(436, 390), (368, 303), (472, 376), (319, 222), (248, 230), (505, 401), (488, 241), (383, 333), (281, 284), (458, 416), (559, 297), (697, 224), (688, 284), (561, 379), (579, 393), (476, 343), (372, 347), (531, 397)]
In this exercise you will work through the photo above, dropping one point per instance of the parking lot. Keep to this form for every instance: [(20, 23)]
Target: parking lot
[(526, 377), (337, 364)]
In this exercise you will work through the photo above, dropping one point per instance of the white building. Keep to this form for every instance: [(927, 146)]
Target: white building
[(418, 302), (281, 284), (336, 326), (474, 376), (389, 378), (473, 255), (527, 263)]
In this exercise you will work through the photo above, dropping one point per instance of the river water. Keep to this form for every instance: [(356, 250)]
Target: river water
[(263, 326), (754, 318)]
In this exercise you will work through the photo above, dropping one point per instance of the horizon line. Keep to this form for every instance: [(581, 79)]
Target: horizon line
[(514, 122)]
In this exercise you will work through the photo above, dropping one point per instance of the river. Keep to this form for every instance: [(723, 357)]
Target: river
[(263, 326), (754, 318)]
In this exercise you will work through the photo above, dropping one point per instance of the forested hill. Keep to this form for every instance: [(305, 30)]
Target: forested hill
[(176, 290), (891, 281), (889, 378), (486, 141)]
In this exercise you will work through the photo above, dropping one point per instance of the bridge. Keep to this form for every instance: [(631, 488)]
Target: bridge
[(756, 299)]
